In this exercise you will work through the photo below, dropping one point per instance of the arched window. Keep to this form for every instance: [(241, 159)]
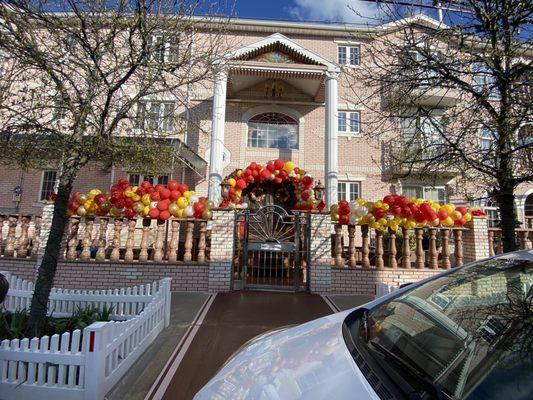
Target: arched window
[(273, 130)]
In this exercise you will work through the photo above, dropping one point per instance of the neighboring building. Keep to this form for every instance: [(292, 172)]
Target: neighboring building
[(282, 94)]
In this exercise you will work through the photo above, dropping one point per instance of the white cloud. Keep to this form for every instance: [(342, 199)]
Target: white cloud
[(351, 11)]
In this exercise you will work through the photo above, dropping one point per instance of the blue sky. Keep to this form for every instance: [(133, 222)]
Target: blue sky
[(311, 10)]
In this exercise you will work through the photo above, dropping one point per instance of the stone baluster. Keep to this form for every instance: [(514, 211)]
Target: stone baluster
[(87, 239), (530, 237), (458, 251), (365, 246), (2, 219), (172, 251), (491, 243), (522, 239), (351, 246), (445, 241), (406, 249), (115, 244), (72, 241), (379, 249), (432, 253), (419, 249), (339, 262), (11, 236), (392, 249), (143, 255), (24, 240), (499, 242), (102, 239), (36, 240), (159, 241), (202, 241), (188, 241), (130, 240)]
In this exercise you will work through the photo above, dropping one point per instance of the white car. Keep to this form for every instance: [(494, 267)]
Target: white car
[(464, 334)]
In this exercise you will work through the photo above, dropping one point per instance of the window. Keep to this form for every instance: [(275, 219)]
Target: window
[(273, 130), (349, 55), (484, 81), (421, 132), (163, 49), (155, 115), (349, 121), (436, 194), (490, 207), (60, 110), (136, 179), (348, 191), (419, 66), (48, 183)]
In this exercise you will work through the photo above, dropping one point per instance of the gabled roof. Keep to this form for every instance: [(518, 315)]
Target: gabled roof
[(283, 43), (418, 19)]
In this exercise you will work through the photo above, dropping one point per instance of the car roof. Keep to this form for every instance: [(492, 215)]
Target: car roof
[(526, 255)]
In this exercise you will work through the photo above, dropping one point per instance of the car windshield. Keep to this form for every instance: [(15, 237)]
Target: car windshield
[(467, 335)]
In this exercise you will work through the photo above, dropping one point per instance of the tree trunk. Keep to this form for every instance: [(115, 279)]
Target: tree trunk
[(47, 269), (505, 199)]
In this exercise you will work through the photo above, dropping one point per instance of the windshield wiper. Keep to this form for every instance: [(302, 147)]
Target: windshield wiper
[(435, 389)]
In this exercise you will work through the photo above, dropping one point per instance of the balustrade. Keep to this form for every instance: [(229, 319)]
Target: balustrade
[(129, 240), (435, 248), (524, 240), (19, 235)]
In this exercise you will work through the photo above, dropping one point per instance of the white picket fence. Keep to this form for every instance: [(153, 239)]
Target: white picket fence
[(82, 365)]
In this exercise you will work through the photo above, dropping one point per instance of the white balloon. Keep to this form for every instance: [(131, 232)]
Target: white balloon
[(362, 211), (193, 199), (353, 205), (354, 220), (244, 205), (189, 212)]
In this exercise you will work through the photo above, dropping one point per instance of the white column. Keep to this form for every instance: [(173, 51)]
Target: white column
[(217, 136), (332, 145)]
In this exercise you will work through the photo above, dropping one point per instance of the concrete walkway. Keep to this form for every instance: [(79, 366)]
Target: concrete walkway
[(232, 320), (142, 375)]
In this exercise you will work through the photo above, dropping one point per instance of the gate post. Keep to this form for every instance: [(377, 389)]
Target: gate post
[(320, 253), (221, 256)]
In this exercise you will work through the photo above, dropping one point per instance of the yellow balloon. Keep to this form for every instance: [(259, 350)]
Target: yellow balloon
[(136, 197), (146, 199), (289, 167), (94, 192), (182, 202), (448, 222), (360, 201), (188, 194), (128, 193), (449, 208), (239, 173), (181, 213), (238, 192), (232, 182), (146, 210), (467, 217)]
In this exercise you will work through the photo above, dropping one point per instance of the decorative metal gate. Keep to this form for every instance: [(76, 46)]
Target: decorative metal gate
[(272, 249)]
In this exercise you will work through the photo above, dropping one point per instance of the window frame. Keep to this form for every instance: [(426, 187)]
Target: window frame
[(347, 124), (424, 188), (41, 185), (349, 50), (154, 179), (348, 190), (260, 134), (144, 119)]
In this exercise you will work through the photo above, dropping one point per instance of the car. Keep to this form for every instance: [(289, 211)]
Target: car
[(466, 333)]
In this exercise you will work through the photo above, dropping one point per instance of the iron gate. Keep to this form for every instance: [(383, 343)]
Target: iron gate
[(272, 249)]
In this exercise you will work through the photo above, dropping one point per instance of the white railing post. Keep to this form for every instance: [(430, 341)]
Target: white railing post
[(166, 288), (94, 348)]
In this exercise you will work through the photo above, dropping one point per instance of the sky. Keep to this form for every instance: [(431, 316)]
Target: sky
[(350, 11)]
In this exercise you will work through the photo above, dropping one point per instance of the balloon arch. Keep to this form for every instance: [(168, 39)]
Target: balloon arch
[(285, 183)]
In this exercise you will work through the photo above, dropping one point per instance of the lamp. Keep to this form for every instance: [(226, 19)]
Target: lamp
[(225, 186), (319, 190)]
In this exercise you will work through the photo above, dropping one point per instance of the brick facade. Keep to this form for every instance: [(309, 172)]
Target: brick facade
[(320, 253), (220, 263), (476, 240), (92, 275)]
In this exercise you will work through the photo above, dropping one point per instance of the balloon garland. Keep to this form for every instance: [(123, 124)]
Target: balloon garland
[(156, 202), (278, 172), (396, 211)]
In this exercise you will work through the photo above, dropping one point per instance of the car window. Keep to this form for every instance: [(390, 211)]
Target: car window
[(469, 332)]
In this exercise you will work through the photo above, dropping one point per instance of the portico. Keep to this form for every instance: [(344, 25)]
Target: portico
[(275, 72)]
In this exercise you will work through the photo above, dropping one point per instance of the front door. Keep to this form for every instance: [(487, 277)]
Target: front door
[(274, 249)]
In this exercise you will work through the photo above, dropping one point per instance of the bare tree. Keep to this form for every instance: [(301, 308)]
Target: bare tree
[(76, 75), (455, 100)]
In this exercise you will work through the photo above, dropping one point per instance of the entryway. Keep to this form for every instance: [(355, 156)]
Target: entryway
[(272, 250)]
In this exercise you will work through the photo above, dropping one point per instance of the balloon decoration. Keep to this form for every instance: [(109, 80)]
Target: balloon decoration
[(156, 202), (277, 172), (396, 211)]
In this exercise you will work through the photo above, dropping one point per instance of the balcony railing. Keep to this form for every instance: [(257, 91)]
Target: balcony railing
[(524, 239), (19, 235)]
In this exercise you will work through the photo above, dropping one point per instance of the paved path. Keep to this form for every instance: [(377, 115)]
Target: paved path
[(232, 319)]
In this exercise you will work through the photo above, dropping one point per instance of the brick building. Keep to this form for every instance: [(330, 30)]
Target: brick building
[(282, 93)]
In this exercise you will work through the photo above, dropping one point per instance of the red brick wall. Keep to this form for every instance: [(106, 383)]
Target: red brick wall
[(363, 281), (91, 275)]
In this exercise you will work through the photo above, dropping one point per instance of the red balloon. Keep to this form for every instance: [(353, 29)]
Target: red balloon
[(389, 199), (255, 173), (155, 196), (250, 178), (344, 219), (173, 185), (241, 184), (164, 215), (279, 163), (198, 207), (420, 217), (129, 213), (163, 204), (460, 222), (378, 213), (265, 174), (99, 199), (462, 210), (128, 201), (146, 185), (442, 214), (183, 188), (175, 195), (396, 210), (305, 196), (278, 180), (307, 180), (153, 213), (270, 167), (164, 193), (159, 187), (252, 165)]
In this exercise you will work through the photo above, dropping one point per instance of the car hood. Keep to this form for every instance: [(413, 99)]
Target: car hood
[(309, 361)]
